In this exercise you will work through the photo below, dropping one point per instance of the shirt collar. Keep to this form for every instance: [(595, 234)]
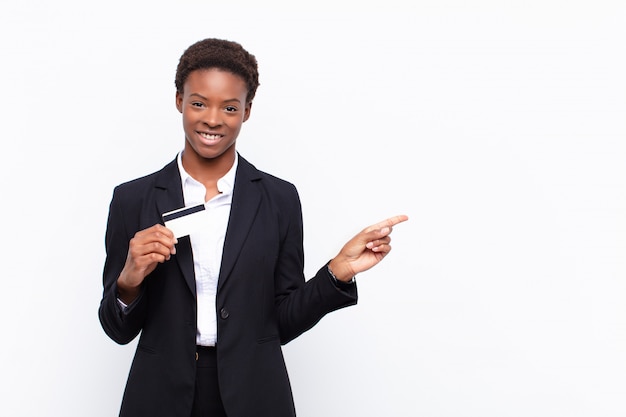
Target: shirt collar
[(225, 184)]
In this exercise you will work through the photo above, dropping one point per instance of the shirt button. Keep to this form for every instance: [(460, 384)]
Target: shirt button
[(224, 313)]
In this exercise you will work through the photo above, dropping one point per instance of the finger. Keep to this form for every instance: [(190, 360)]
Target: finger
[(151, 258), (159, 257), (374, 234), (172, 240), (157, 233), (378, 242), (390, 222), (167, 232), (379, 247), (156, 230), (151, 243), (159, 248), (152, 240), (150, 252)]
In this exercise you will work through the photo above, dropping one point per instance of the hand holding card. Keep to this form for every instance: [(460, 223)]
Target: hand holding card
[(146, 250)]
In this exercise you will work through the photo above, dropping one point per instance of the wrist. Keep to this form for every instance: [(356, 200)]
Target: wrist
[(340, 274), (126, 293)]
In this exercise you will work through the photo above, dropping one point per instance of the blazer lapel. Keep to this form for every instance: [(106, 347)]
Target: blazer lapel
[(169, 196), (245, 204)]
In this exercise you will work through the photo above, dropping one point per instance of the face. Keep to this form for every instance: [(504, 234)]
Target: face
[(214, 107)]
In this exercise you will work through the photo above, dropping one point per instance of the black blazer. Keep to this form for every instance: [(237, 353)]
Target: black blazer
[(263, 299)]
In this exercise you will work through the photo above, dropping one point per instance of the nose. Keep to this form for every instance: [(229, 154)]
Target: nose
[(212, 117)]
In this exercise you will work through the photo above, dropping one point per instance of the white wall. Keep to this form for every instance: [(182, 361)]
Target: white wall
[(498, 127)]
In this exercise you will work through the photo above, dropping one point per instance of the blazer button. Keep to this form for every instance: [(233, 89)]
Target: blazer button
[(224, 313)]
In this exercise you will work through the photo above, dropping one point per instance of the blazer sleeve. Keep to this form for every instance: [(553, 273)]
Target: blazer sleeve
[(302, 304), (121, 325)]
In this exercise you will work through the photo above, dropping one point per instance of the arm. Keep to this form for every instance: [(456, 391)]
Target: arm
[(128, 263), (300, 305)]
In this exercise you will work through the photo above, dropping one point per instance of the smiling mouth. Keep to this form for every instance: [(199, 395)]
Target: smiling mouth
[(210, 136)]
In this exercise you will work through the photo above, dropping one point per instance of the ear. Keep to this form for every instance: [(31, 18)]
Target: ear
[(179, 101), (247, 110)]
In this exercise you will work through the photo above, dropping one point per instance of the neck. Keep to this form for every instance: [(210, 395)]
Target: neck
[(207, 170)]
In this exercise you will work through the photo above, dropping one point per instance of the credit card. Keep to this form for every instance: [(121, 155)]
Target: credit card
[(187, 220)]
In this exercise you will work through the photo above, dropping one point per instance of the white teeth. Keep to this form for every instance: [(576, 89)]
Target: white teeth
[(210, 137)]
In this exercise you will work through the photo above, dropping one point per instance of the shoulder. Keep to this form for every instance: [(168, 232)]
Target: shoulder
[(273, 184), (131, 194), (147, 182)]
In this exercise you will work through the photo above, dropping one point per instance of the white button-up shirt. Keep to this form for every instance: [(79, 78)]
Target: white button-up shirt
[(207, 246)]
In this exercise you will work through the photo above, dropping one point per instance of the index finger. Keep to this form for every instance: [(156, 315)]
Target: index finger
[(159, 228), (390, 222)]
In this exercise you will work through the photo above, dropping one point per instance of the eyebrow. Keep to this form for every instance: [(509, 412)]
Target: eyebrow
[(204, 98)]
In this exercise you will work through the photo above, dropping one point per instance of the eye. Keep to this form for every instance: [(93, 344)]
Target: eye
[(231, 109), (197, 104)]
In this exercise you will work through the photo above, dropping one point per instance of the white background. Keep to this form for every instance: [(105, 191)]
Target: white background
[(497, 126)]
